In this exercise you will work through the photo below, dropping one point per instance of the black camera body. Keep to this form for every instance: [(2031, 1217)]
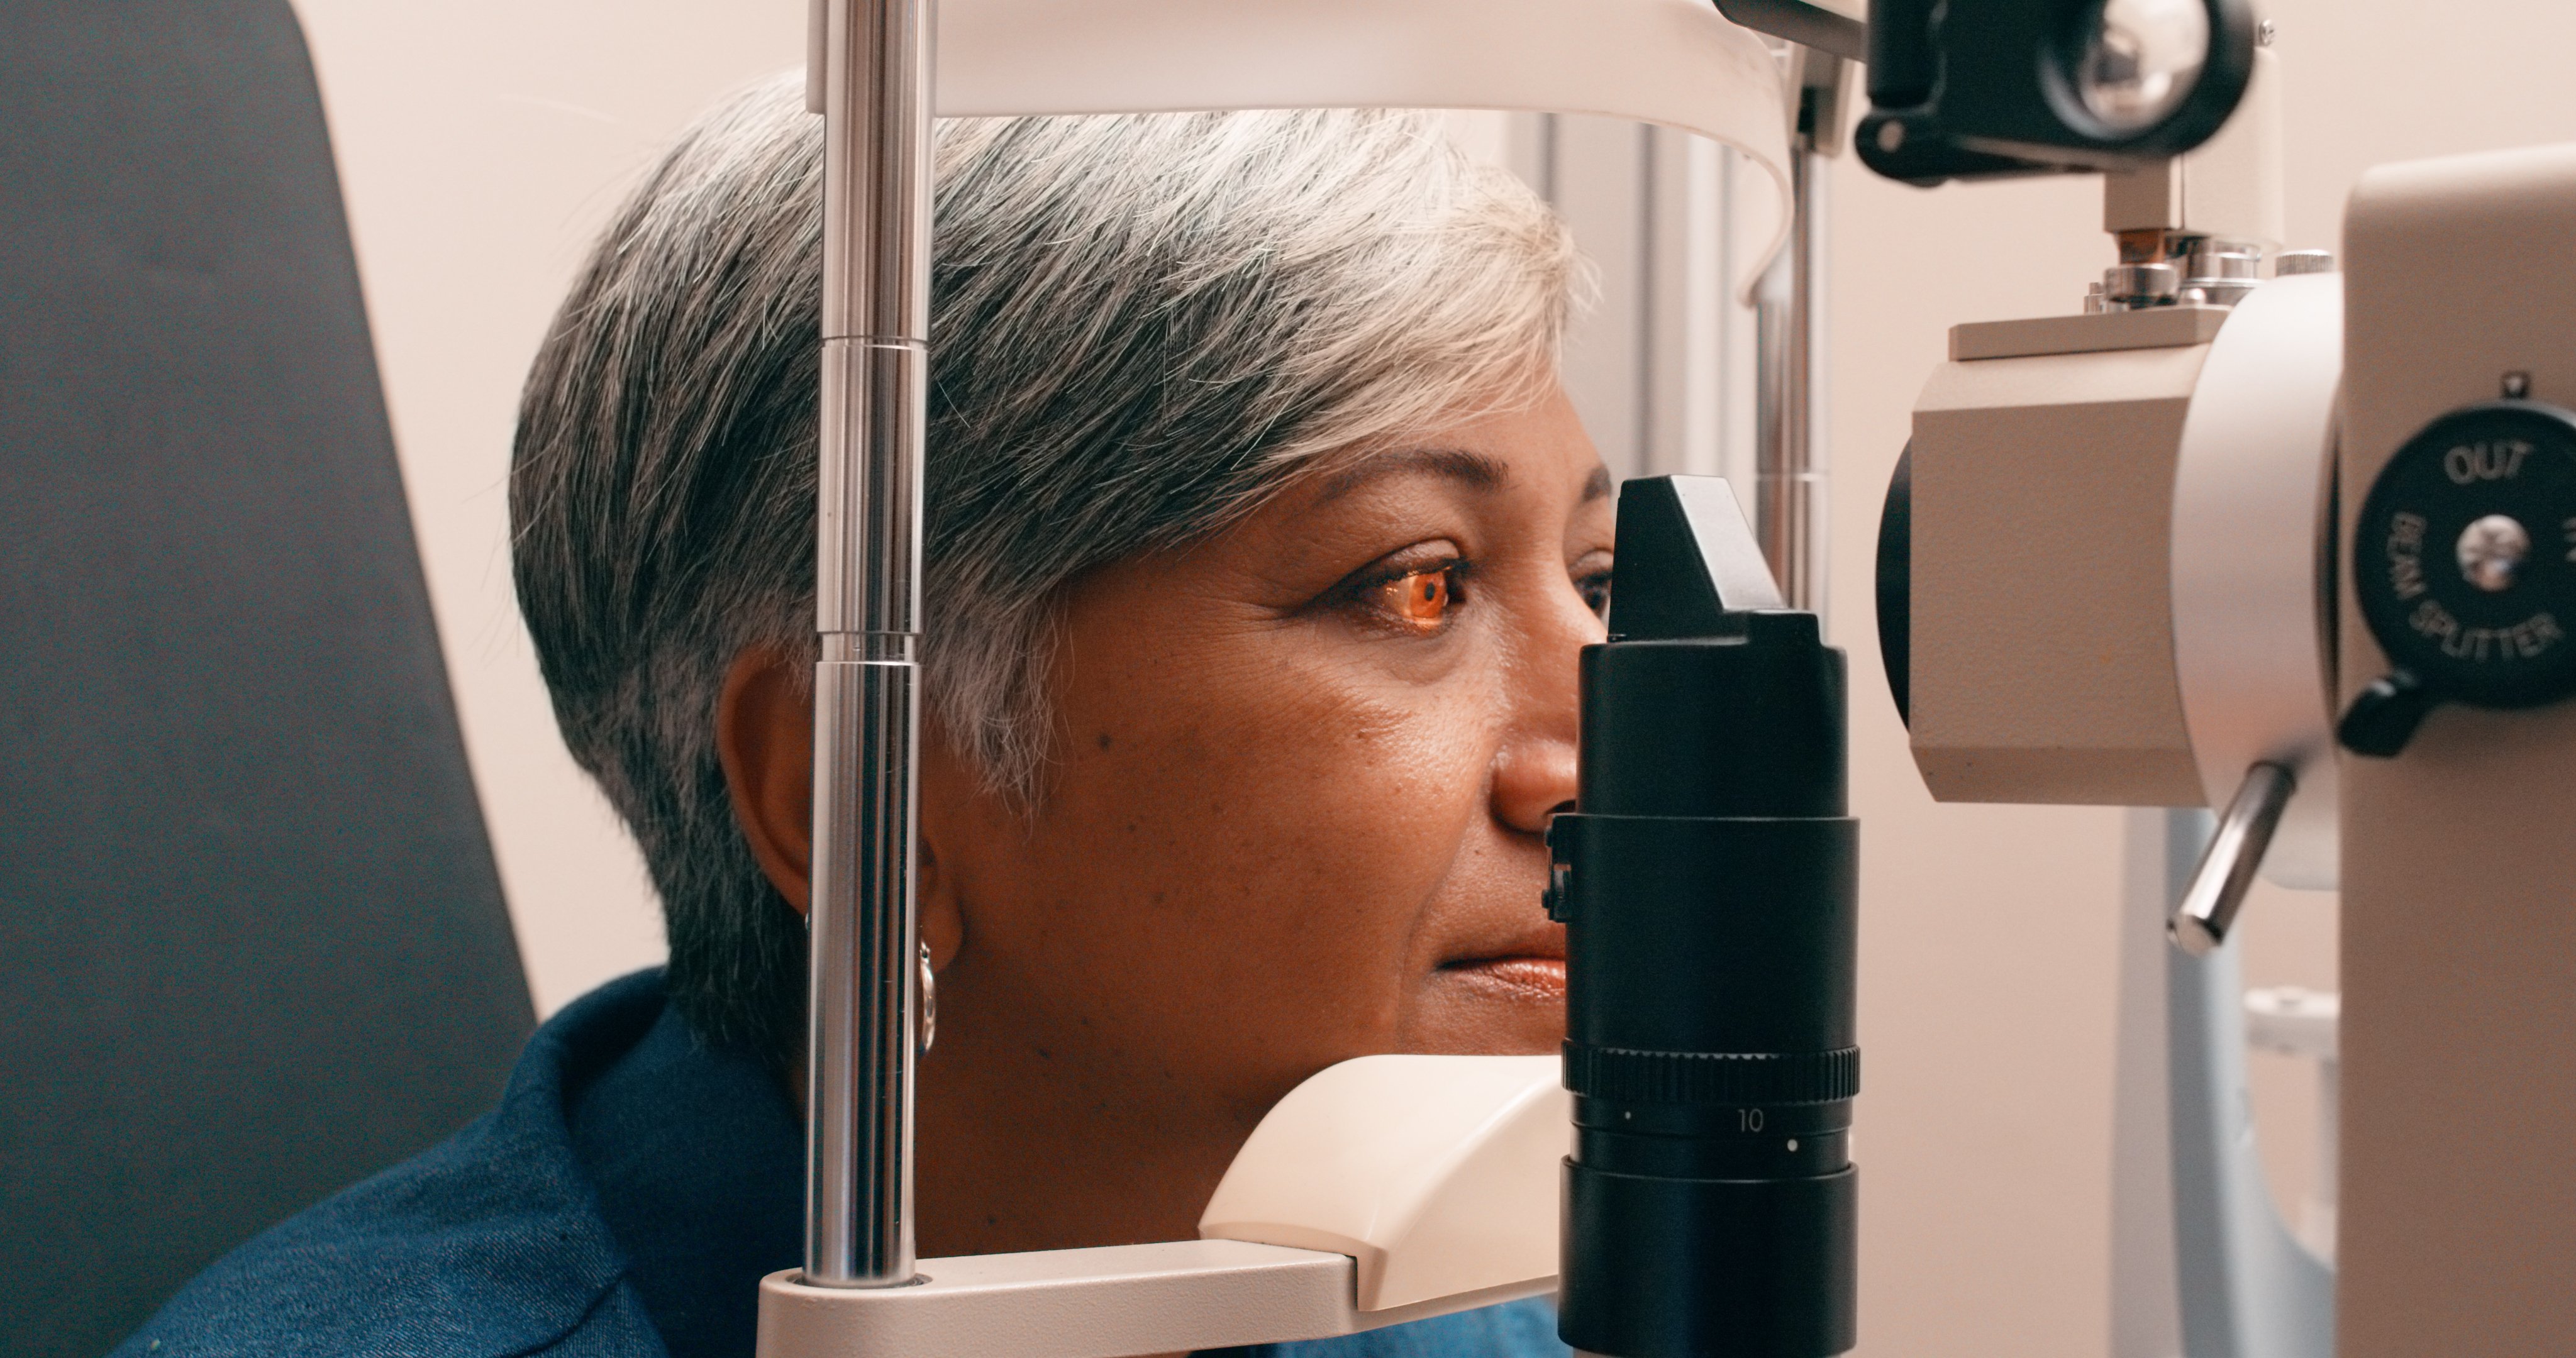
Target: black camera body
[(1973, 89)]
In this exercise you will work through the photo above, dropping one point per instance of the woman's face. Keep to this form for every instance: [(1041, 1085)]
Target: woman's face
[(1296, 816), (1298, 811)]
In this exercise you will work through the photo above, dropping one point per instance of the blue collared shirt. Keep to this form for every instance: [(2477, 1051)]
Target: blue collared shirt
[(625, 1199)]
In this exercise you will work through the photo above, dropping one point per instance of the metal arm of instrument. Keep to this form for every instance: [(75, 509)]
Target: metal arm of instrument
[(865, 996), (1802, 23), (1791, 512), (871, 76)]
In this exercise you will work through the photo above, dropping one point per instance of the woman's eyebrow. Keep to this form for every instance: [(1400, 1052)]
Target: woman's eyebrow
[(1476, 471)]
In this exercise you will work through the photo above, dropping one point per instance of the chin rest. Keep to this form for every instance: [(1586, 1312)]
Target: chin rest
[(1383, 1190)]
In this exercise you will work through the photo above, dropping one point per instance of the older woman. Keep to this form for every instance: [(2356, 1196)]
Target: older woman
[(1261, 544)]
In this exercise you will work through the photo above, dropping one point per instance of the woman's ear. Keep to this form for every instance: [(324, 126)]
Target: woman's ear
[(765, 739), (948, 815)]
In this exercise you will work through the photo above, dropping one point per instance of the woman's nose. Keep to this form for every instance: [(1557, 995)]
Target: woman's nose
[(1534, 771), (1533, 780)]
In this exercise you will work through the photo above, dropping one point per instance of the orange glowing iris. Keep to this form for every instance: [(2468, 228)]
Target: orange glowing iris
[(1420, 599)]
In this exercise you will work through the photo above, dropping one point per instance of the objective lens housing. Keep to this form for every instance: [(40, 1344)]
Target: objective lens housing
[(1709, 883)]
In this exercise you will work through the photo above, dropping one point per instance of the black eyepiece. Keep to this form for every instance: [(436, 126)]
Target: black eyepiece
[(1708, 879)]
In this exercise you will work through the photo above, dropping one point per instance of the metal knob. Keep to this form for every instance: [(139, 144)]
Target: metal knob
[(2292, 263), (2461, 565), (2227, 867), (2212, 260), (2491, 552), (2130, 286), (2220, 273)]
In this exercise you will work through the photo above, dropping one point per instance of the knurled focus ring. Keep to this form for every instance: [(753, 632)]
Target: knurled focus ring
[(1721, 1078)]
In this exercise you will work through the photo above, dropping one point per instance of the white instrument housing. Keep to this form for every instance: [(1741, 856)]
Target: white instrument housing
[(2251, 656)]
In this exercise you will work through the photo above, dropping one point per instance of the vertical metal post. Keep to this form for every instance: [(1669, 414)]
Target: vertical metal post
[(2244, 1285), (877, 69), (1791, 511)]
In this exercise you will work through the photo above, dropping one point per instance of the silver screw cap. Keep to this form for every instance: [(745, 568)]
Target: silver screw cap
[(2141, 285)]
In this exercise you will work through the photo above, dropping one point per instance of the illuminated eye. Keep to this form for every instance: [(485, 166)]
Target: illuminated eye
[(1596, 594), (1421, 598)]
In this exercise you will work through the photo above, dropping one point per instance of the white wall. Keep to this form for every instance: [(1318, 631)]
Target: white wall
[(1660, 362), (482, 143)]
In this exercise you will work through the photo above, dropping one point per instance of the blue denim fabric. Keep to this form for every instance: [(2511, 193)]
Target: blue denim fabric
[(699, 1161), (632, 1188), (1520, 1329)]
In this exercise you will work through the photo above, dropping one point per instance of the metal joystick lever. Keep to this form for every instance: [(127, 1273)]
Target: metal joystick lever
[(2227, 867)]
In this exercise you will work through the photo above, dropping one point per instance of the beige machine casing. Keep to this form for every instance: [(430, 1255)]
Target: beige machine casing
[(2458, 1230), (2044, 668), (2043, 479), (2045, 457)]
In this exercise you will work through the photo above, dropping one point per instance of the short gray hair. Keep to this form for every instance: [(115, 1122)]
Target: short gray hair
[(1142, 328)]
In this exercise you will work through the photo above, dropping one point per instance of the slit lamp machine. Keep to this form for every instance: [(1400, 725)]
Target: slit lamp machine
[(2266, 531)]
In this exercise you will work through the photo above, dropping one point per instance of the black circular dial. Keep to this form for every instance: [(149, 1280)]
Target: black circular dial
[(2465, 556)]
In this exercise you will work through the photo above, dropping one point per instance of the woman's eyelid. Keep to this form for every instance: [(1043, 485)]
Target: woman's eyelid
[(1418, 559), (1372, 589), (1422, 558)]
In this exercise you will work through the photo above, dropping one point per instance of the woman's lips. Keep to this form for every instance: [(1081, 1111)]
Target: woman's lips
[(1528, 977)]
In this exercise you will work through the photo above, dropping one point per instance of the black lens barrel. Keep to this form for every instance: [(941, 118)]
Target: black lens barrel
[(1709, 884)]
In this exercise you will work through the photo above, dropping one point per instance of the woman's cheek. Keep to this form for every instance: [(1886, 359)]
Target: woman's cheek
[(1275, 808), (1347, 800), (1390, 810)]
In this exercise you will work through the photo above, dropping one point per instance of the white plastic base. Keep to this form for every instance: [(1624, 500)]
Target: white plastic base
[(1438, 1174), (1428, 1182), (1095, 1303)]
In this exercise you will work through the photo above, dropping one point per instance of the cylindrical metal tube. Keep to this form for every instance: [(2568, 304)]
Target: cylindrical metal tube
[(859, 1071), (2227, 866), (1790, 506), (864, 937), (867, 578), (876, 182)]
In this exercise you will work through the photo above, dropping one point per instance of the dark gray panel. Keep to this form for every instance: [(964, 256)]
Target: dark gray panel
[(252, 946)]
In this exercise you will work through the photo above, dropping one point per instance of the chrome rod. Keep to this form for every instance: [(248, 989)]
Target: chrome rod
[(2226, 872), (1791, 506), (862, 931)]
